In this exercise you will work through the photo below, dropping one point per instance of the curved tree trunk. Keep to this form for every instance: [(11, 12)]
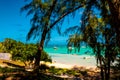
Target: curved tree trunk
[(108, 69), (39, 52), (37, 60)]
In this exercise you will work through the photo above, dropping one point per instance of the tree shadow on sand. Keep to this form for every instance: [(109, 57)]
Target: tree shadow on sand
[(17, 72), (28, 76)]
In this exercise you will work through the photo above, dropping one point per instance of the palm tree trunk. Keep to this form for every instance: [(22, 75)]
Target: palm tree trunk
[(39, 52), (102, 73), (109, 70), (107, 74), (105, 71), (37, 60), (101, 67)]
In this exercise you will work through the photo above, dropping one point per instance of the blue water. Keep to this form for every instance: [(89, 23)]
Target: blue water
[(64, 50)]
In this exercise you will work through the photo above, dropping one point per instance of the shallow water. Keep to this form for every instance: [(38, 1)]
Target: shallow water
[(84, 57), (64, 50)]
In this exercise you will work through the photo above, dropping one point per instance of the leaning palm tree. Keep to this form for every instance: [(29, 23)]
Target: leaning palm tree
[(47, 15)]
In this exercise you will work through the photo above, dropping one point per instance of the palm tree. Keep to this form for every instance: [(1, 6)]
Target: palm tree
[(47, 15)]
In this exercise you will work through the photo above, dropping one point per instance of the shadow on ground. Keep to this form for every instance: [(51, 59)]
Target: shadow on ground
[(28, 76), (13, 65), (17, 72)]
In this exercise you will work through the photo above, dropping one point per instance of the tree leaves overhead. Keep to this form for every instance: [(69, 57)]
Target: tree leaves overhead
[(47, 13), (72, 30), (74, 41), (101, 33)]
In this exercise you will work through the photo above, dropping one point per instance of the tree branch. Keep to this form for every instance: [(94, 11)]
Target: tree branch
[(65, 14)]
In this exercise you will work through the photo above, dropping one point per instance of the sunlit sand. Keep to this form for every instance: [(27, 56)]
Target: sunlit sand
[(70, 61)]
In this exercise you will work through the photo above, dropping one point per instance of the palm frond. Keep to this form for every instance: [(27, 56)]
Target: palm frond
[(33, 32), (48, 37), (49, 14), (71, 30), (26, 7), (58, 28), (30, 12), (86, 13), (30, 33)]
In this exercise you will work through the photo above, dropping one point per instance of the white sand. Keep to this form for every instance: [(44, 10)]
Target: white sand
[(70, 61)]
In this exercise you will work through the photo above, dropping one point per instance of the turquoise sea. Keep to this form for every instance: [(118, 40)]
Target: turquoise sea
[(64, 50)]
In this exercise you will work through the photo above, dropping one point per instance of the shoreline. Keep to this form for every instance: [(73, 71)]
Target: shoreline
[(70, 61)]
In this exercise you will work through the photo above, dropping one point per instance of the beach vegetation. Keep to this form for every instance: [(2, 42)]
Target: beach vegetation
[(102, 35), (74, 41), (2, 47), (100, 31), (48, 15), (45, 57), (23, 52), (102, 40)]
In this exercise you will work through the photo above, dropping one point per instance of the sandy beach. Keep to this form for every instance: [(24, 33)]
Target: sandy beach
[(70, 61)]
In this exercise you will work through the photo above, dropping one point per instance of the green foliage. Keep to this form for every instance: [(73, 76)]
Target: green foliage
[(23, 52), (49, 14), (9, 44), (102, 38), (101, 31), (74, 41), (2, 48), (45, 57)]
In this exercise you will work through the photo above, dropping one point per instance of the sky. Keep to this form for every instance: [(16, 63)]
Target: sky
[(16, 25)]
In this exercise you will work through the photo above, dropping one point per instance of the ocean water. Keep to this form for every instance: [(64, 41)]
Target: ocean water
[(64, 50)]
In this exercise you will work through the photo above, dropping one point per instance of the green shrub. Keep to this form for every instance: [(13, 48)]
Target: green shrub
[(45, 57), (43, 67), (21, 51)]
